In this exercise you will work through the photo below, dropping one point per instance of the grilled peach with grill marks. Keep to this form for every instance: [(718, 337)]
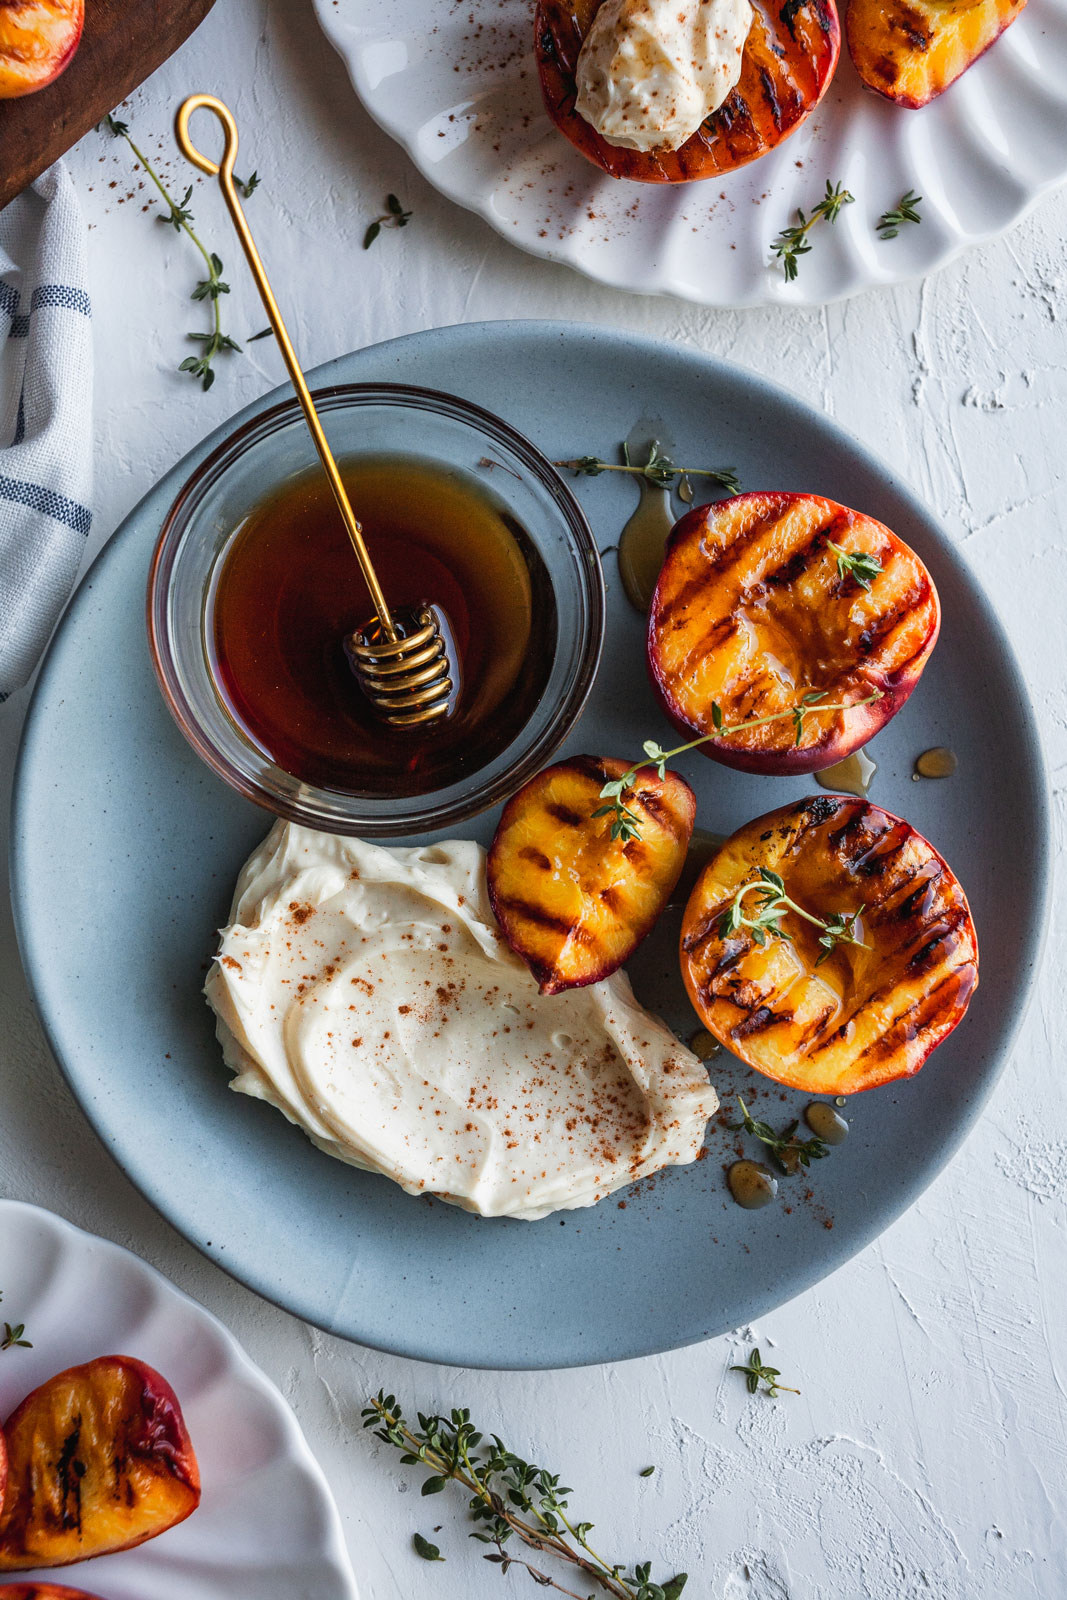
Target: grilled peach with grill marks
[(572, 901), (912, 50), (849, 1017), (43, 1591), (788, 61), (99, 1459), (759, 610)]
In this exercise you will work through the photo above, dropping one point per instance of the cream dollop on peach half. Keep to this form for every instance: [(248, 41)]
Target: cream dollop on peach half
[(368, 994)]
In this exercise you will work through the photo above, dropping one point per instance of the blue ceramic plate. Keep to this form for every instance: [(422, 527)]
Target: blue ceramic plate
[(126, 850)]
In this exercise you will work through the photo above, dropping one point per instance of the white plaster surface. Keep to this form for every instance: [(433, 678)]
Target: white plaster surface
[(927, 1454)]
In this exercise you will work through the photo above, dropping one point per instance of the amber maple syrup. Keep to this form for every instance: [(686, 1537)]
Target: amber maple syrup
[(287, 593)]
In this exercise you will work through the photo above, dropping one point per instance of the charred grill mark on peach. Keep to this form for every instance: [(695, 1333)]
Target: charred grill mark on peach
[(943, 941), (661, 815), (819, 809), (815, 1027), (770, 96), (800, 560), (910, 24), (917, 904), (530, 911), (592, 768), (758, 1021), (538, 858), (565, 814)]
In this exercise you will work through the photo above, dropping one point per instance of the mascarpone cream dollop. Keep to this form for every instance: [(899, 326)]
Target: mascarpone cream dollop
[(650, 71), (368, 994)]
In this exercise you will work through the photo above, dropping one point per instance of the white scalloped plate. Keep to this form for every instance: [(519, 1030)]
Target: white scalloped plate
[(266, 1527), (455, 83)]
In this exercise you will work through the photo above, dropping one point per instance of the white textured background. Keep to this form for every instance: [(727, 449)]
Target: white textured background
[(927, 1455)]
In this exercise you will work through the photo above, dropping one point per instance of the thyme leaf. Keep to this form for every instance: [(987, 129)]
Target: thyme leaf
[(756, 1373), (860, 564), (423, 1548), (890, 223), (792, 243), (394, 216)]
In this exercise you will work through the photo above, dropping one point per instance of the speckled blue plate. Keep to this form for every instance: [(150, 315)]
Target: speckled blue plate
[(126, 850)]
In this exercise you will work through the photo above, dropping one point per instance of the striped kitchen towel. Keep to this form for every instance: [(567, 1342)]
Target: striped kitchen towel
[(46, 382)]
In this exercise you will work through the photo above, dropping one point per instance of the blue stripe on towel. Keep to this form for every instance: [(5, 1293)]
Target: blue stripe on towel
[(47, 501), (61, 295), (20, 420)]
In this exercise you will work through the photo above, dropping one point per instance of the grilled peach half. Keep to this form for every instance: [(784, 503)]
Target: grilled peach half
[(912, 50), (572, 901), (786, 67), (38, 39), (99, 1459), (837, 1020), (43, 1591), (754, 614)]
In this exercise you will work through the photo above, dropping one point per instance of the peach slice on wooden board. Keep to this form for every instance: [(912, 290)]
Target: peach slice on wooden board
[(38, 39), (99, 1459), (571, 900), (765, 602), (787, 64), (840, 1019), (912, 50), (43, 1591)]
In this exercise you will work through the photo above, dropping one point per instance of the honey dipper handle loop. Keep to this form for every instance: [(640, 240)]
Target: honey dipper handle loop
[(224, 171)]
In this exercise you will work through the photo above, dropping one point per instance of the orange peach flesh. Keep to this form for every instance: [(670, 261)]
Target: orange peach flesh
[(99, 1459), (38, 38), (866, 1014), (913, 50), (570, 900)]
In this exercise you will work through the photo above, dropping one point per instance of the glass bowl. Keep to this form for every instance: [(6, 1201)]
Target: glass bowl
[(369, 420)]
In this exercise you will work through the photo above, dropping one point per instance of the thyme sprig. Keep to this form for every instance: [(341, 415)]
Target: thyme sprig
[(13, 1335), (890, 223), (509, 1497), (658, 469), (626, 825), (792, 243), (773, 904), (756, 1373), (859, 564), (785, 1149), (394, 216), (179, 217)]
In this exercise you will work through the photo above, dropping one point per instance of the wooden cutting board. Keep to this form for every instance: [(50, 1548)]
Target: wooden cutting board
[(124, 41)]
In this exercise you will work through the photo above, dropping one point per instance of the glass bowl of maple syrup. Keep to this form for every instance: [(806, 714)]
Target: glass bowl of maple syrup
[(254, 590)]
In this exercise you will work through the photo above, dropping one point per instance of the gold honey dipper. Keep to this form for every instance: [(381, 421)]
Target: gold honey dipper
[(400, 659)]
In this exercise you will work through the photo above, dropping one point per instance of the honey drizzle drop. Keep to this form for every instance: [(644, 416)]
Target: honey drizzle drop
[(937, 762), (643, 542), (853, 775), (827, 1124), (751, 1184)]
